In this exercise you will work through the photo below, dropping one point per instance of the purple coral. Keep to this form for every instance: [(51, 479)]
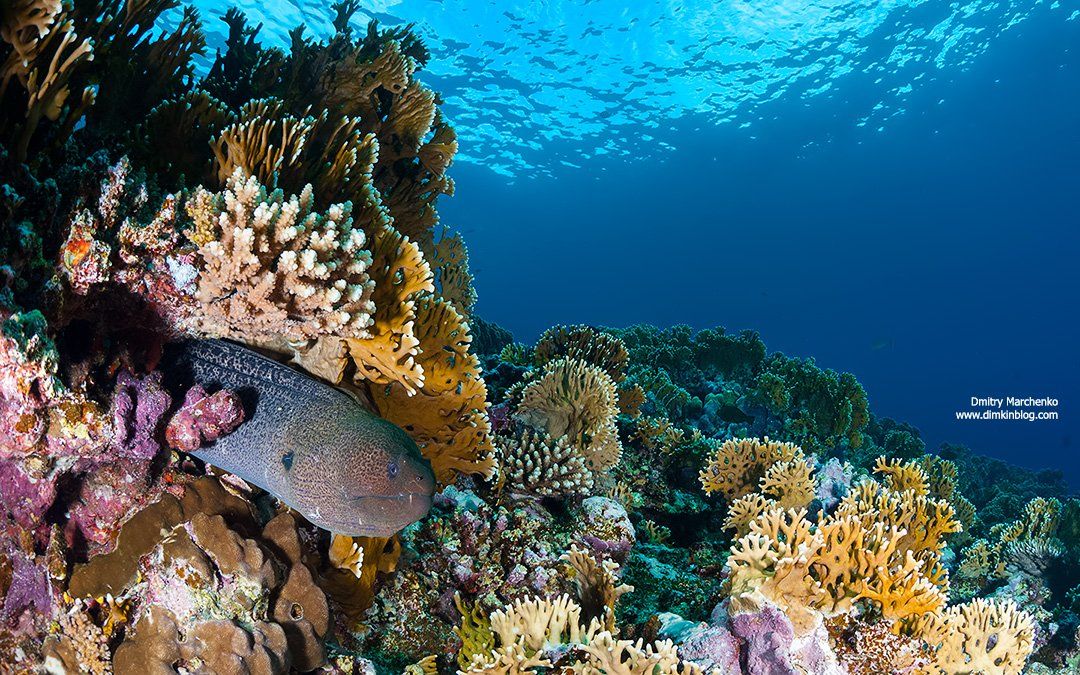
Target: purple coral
[(25, 498), (203, 418), (139, 404), (28, 592), (606, 529), (712, 647), (768, 635)]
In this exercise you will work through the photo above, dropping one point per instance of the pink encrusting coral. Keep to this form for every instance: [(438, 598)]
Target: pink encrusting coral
[(139, 405), (203, 418)]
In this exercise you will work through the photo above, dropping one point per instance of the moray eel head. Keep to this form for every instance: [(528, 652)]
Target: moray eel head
[(360, 476)]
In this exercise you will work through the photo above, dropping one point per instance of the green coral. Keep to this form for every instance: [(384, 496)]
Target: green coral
[(821, 408)]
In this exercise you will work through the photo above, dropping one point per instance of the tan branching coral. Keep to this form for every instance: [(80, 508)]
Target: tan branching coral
[(530, 633), (596, 584), (454, 281), (45, 53), (738, 465), (903, 476), (389, 353), (925, 521), (745, 510), (532, 463), (790, 484), (608, 655), (355, 564), (587, 344), (904, 592), (850, 554), (1039, 522), (273, 270), (329, 153), (772, 562), (447, 418), (981, 637), (631, 398), (576, 400), (657, 433)]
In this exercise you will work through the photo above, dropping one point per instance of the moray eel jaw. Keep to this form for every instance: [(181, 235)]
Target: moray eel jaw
[(373, 515)]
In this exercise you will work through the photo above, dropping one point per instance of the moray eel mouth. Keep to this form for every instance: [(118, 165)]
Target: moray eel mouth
[(378, 515)]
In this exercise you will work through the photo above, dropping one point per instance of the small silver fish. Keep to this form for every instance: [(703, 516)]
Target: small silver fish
[(312, 446)]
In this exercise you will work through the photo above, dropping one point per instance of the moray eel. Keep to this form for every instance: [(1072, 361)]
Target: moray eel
[(312, 446)]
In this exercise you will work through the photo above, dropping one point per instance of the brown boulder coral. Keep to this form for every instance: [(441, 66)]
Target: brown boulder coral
[(200, 588), (212, 594)]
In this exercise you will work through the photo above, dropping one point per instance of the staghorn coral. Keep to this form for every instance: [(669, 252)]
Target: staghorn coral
[(573, 399), (531, 463), (273, 270)]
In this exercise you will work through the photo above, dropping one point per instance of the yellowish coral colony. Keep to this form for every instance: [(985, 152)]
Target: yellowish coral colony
[(608, 501)]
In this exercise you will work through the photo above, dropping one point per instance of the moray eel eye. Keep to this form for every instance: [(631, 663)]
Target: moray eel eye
[(392, 469)]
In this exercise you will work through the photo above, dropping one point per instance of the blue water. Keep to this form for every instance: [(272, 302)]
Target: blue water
[(890, 187)]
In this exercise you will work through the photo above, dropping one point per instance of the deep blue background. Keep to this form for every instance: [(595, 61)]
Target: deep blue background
[(935, 259)]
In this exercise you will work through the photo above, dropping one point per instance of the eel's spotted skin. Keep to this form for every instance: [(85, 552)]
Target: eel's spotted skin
[(311, 445)]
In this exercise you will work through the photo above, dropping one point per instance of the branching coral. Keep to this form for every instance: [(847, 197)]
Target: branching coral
[(587, 344), (448, 417), (274, 270), (578, 401), (597, 585), (389, 354), (354, 566), (451, 263), (331, 154), (925, 521), (738, 466), (534, 633), (657, 433), (532, 463), (981, 636)]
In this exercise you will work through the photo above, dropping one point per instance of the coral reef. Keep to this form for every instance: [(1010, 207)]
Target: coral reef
[(609, 500)]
